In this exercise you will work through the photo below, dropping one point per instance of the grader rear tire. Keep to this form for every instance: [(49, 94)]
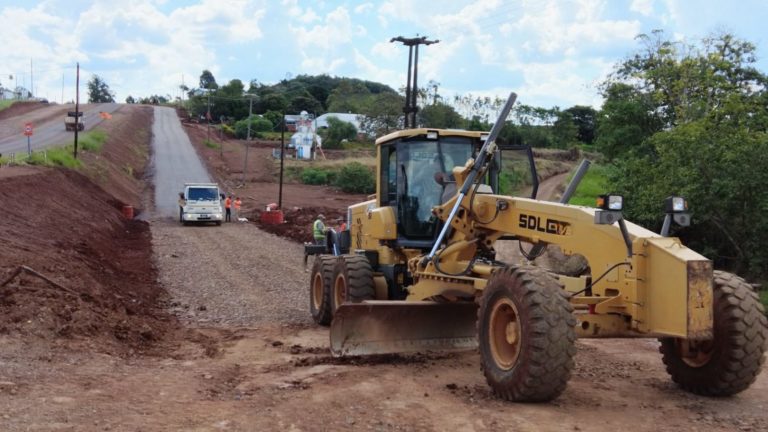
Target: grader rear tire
[(526, 335), (320, 289), (731, 361), (352, 280)]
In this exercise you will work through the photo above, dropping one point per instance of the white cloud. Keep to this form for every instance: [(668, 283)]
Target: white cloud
[(373, 71), (643, 7), (324, 47), (105, 37), (363, 8), (568, 81), (387, 50)]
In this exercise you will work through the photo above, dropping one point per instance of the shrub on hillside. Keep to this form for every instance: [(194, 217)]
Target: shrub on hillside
[(258, 124), (316, 176), (356, 178)]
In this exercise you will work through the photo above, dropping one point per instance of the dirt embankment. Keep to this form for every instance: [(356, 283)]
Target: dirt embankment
[(70, 228)]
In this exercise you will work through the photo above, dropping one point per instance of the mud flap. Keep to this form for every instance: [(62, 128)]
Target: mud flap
[(384, 327)]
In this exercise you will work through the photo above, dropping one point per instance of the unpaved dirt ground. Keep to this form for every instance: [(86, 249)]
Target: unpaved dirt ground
[(228, 343)]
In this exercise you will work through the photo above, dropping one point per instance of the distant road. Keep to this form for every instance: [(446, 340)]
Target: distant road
[(51, 132), (175, 162)]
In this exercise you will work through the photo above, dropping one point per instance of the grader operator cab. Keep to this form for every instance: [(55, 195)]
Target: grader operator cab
[(418, 271)]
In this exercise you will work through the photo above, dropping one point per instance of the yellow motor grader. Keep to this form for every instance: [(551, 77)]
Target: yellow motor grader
[(417, 271)]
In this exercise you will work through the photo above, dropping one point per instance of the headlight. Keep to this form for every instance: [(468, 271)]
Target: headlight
[(675, 204), (610, 202)]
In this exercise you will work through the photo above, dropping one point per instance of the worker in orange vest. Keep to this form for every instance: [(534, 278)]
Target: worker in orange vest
[(238, 203), (228, 208)]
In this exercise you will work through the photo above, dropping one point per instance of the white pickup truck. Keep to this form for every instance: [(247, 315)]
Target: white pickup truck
[(200, 202)]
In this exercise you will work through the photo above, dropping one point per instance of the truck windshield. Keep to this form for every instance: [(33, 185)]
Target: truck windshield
[(203, 194)]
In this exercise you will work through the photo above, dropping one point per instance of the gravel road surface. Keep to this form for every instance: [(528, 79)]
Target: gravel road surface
[(52, 132), (174, 161), (233, 275)]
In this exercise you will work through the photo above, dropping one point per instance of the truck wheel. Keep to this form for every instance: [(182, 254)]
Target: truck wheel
[(526, 335), (320, 289), (352, 280), (729, 362)]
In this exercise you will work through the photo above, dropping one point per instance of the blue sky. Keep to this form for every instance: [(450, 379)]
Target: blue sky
[(549, 52)]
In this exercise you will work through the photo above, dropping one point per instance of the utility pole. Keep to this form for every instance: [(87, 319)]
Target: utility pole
[(411, 92), (77, 106), (282, 162), (208, 116), (31, 79), (248, 138)]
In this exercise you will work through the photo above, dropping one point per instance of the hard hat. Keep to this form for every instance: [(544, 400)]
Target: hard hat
[(320, 216)]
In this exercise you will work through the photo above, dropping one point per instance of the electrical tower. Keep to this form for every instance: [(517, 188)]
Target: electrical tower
[(411, 92)]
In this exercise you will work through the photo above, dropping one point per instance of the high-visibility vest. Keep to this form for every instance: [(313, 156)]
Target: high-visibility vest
[(227, 203), (237, 204), (318, 229)]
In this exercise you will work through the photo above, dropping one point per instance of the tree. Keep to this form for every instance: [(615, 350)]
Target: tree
[(440, 115), (130, 100), (305, 103), (337, 131), (207, 81), (350, 96), (700, 130), (383, 114), (585, 118), (98, 91), (258, 124), (626, 120), (229, 101), (565, 133)]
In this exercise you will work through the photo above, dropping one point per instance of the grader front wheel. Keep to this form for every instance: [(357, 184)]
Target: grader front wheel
[(731, 361), (352, 280), (526, 335)]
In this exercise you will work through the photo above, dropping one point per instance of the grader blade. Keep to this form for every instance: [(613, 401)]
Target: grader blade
[(384, 327)]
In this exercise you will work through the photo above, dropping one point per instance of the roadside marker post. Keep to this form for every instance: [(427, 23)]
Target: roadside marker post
[(28, 131)]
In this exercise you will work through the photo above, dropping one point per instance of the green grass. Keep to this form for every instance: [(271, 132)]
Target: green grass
[(92, 141), (275, 136), (62, 156), (321, 171), (594, 183), (57, 156), (211, 144), (6, 103)]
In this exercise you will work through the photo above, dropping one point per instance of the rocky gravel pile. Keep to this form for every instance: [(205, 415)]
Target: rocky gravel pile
[(232, 275)]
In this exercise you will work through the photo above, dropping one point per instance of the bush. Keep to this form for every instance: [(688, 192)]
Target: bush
[(57, 156), (356, 178), (317, 176), (258, 124), (228, 130), (93, 140), (337, 132)]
